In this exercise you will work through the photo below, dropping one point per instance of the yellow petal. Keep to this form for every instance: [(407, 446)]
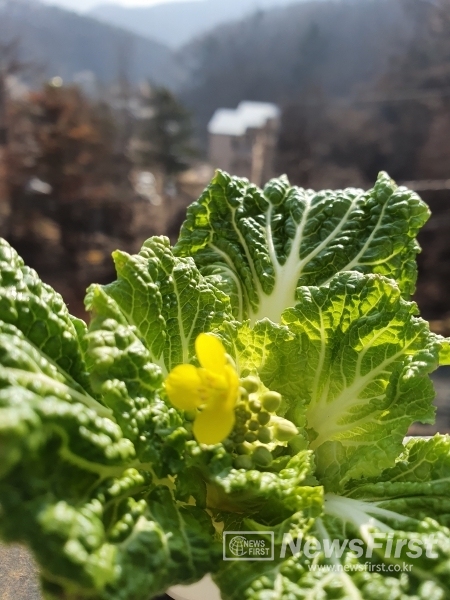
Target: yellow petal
[(183, 386), (210, 352), (213, 424), (233, 386)]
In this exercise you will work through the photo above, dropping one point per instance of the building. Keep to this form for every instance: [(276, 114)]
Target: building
[(242, 141)]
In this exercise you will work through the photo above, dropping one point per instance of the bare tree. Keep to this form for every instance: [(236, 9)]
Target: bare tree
[(10, 65)]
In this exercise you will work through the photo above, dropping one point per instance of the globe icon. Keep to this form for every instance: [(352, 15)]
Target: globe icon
[(237, 545)]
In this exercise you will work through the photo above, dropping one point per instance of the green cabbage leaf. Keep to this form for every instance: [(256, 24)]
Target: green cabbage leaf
[(310, 294), (263, 245)]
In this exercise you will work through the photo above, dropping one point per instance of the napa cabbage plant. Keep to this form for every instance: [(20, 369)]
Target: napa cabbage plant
[(259, 376)]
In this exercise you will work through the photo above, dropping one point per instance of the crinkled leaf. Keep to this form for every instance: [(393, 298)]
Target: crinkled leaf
[(418, 484), (77, 489), (362, 373), (240, 580), (38, 402), (390, 519), (82, 477), (168, 545), (265, 496), (167, 300), (41, 315), (128, 382), (263, 245), (351, 361), (129, 540)]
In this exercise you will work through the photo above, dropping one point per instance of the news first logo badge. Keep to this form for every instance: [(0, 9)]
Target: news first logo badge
[(248, 545)]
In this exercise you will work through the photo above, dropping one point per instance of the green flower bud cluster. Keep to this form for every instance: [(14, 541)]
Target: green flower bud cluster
[(258, 429)]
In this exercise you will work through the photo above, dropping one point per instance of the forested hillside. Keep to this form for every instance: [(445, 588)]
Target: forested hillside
[(328, 49), (363, 85), (60, 42), (177, 23)]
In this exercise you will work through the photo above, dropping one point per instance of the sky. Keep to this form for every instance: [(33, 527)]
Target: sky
[(84, 5)]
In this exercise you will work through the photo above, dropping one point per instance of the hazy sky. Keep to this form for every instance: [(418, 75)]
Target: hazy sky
[(81, 5)]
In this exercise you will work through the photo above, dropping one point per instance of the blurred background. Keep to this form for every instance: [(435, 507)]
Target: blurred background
[(114, 116)]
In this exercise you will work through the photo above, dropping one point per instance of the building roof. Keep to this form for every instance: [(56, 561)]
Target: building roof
[(226, 121)]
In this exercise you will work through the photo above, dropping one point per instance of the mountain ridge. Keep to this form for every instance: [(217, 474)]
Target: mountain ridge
[(65, 43), (177, 23)]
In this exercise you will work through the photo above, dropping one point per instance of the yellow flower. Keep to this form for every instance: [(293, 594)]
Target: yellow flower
[(210, 390)]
